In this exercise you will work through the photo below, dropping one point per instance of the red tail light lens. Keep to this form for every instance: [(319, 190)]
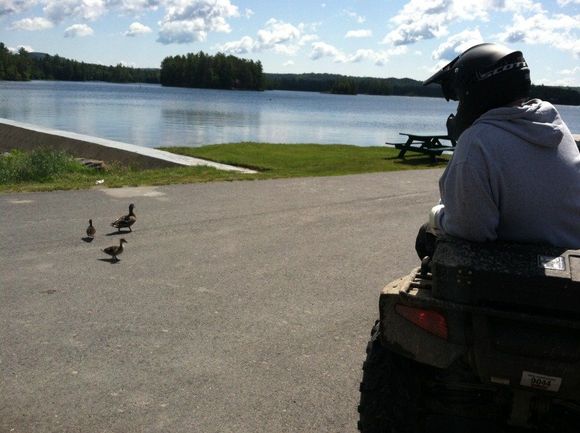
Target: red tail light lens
[(429, 320)]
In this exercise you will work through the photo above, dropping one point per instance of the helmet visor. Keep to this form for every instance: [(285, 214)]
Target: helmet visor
[(446, 78)]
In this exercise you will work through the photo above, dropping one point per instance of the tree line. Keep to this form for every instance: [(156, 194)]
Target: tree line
[(228, 72), (334, 83), (202, 70), (556, 95), (24, 66)]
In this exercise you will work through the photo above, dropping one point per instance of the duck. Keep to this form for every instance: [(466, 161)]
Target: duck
[(126, 221), (115, 250), (91, 230)]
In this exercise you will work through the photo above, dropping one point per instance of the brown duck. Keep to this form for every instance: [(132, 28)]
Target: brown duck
[(91, 230), (126, 221), (115, 250)]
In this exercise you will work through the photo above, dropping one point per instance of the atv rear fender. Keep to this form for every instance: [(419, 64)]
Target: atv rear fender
[(409, 340)]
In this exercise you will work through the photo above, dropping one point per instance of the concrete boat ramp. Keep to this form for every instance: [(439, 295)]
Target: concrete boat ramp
[(25, 136)]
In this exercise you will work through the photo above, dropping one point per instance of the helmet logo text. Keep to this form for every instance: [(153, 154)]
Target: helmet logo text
[(500, 69)]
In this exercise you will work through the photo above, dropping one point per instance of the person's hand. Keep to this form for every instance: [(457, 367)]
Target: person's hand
[(425, 242)]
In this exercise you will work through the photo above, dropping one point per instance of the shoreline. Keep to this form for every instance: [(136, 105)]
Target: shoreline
[(25, 136)]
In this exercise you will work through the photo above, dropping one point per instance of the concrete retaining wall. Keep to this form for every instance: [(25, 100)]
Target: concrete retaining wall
[(18, 135)]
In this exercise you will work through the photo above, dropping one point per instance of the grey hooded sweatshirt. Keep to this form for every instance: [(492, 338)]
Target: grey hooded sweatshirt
[(515, 175)]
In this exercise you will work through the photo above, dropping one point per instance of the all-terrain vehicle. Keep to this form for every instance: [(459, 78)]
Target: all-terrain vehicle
[(481, 338)]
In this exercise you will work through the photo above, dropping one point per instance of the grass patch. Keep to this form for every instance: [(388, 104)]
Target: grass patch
[(39, 165), (298, 160), (47, 170)]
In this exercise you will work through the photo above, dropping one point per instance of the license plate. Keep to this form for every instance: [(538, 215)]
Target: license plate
[(541, 381)]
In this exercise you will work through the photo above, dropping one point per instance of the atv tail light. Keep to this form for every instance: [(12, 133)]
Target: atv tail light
[(429, 320)]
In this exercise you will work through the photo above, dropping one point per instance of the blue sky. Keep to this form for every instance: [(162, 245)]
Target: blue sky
[(377, 38)]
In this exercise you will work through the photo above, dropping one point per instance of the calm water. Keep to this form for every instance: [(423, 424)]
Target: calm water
[(155, 116)]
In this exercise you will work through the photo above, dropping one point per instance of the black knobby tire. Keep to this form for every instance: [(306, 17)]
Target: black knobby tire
[(389, 391), (397, 395)]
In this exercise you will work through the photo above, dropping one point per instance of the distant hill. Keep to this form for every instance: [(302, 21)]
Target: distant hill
[(37, 56)]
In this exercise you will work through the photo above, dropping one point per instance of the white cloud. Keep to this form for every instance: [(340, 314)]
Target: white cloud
[(78, 30), (322, 49), (134, 6), (567, 2), (528, 6), (363, 33), (288, 63), (181, 32), (457, 44), (559, 31), (58, 10), (32, 24), (379, 58), (27, 48), (136, 29), (243, 46), (15, 6), (306, 39), (277, 32), (428, 19), (287, 50), (191, 20), (279, 36), (418, 20), (248, 13)]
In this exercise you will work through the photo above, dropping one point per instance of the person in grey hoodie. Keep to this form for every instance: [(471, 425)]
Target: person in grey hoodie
[(515, 173)]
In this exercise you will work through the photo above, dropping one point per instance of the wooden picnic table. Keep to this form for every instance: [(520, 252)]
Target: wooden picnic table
[(431, 145)]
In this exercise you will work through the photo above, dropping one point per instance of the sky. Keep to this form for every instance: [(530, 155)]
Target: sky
[(373, 38)]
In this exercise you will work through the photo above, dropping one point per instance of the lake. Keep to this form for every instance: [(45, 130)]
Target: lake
[(156, 116)]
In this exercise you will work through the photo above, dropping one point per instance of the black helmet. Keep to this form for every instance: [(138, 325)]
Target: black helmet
[(485, 76)]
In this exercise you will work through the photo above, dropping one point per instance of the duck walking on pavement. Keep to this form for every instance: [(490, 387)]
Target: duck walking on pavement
[(115, 250), (126, 221), (91, 230)]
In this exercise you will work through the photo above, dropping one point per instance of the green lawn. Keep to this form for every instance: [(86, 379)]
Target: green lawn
[(299, 160), (46, 170)]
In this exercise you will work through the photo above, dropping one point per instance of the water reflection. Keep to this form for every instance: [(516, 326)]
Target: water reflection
[(205, 117), (191, 127), (155, 116)]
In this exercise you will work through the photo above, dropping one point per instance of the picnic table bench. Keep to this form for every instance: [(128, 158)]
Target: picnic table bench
[(431, 145)]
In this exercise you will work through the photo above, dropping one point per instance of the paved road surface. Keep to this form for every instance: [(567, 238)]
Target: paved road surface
[(237, 307)]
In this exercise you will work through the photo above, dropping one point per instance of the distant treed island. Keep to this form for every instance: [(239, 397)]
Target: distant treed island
[(201, 70), (211, 72)]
